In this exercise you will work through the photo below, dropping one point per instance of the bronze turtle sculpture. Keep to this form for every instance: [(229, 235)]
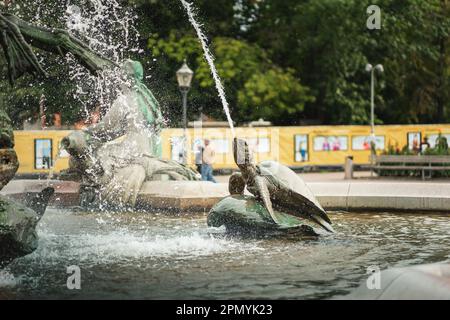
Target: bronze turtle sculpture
[(244, 215), (277, 186)]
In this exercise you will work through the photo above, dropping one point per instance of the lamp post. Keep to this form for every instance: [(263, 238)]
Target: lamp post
[(371, 69), (184, 78)]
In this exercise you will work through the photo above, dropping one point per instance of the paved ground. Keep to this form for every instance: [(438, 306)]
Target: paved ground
[(360, 176)]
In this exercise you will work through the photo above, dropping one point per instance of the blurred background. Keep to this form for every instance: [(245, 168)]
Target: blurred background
[(290, 62)]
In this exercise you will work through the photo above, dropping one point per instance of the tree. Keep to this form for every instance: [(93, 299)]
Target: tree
[(263, 49), (255, 86), (327, 42)]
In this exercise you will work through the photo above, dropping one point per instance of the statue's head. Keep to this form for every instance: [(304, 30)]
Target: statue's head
[(75, 143), (241, 152), (236, 184), (133, 69)]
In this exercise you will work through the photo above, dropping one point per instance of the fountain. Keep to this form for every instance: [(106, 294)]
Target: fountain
[(210, 59), (120, 166), (115, 157), (115, 170)]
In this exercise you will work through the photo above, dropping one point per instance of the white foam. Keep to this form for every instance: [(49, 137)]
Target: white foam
[(125, 245)]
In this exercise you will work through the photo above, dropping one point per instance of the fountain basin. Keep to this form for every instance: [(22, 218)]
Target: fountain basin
[(142, 256), (195, 196)]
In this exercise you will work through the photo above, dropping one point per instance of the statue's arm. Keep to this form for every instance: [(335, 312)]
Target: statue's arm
[(112, 125), (18, 36), (18, 53)]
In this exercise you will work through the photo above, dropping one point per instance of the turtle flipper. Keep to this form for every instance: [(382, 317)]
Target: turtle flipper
[(264, 195), (324, 224), (297, 205)]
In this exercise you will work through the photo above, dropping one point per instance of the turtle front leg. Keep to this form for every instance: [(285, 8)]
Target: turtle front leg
[(264, 195)]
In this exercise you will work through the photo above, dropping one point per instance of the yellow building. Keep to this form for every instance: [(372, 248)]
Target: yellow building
[(293, 146)]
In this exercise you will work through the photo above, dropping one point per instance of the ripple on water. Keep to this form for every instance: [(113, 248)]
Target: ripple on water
[(156, 256)]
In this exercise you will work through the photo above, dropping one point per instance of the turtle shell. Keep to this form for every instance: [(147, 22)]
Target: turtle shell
[(289, 193)]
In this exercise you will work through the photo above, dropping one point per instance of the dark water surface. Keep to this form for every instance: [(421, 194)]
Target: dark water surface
[(148, 256)]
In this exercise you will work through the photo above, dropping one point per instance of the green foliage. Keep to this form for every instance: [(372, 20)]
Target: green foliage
[(328, 44), (274, 95), (441, 147), (21, 102), (264, 48), (255, 86)]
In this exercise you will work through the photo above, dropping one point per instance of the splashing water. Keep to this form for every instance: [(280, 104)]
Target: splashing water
[(7, 279), (51, 173), (210, 59), (105, 26)]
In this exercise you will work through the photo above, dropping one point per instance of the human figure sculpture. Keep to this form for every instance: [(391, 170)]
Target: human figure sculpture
[(117, 155), (123, 150)]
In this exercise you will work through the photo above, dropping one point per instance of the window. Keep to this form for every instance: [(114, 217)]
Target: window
[(414, 141), (176, 153), (330, 143), (432, 138), (43, 153), (259, 144), (301, 152), (363, 143), (220, 145)]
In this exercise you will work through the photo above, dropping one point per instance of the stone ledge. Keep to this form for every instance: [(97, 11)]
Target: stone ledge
[(184, 196)]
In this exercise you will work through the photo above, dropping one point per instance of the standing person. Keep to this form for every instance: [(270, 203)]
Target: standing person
[(208, 160), (326, 145), (424, 145), (199, 157), (303, 150), (415, 144)]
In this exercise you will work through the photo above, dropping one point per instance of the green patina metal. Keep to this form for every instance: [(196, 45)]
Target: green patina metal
[(247, 216), (16, 36), (147, 103)]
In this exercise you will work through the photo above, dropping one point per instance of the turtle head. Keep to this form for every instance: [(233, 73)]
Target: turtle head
[(236, 184), (241, 152)]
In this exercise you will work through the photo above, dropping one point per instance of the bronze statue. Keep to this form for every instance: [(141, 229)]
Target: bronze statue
[(117, 155), (18, 37), (281, 203), (276, 185)]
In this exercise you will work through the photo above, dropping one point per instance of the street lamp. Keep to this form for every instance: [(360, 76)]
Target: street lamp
[(184, 78), (371, 69)]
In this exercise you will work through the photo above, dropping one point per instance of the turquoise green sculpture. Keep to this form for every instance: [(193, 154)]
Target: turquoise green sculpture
[(246, 216), (18, 222)]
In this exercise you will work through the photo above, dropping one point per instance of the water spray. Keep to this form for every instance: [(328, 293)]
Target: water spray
[(210, 59)]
